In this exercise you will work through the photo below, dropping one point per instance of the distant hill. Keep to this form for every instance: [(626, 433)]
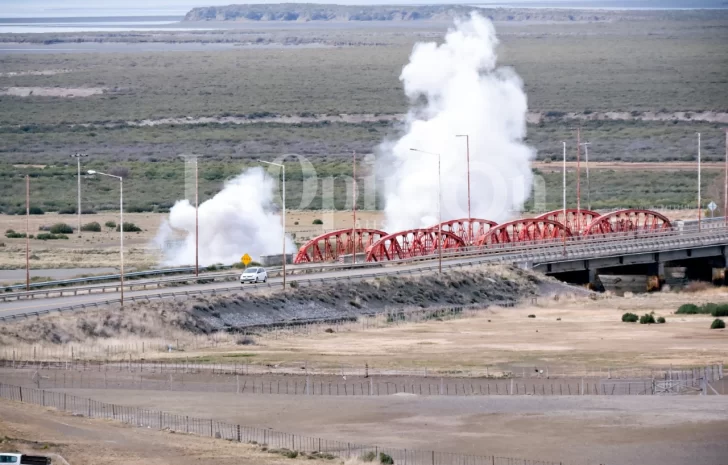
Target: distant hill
[(303, 12)]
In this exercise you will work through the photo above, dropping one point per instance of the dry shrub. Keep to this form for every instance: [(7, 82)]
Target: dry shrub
[(697, 286)]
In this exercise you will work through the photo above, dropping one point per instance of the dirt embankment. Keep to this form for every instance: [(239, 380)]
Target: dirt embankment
[(326, 302)]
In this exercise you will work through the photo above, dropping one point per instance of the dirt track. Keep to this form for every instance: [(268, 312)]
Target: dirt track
[(627, 430)]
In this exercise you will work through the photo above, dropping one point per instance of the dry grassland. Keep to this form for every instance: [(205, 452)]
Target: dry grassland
[(101, 249), (570, 332), (589, 333), (82, 441)]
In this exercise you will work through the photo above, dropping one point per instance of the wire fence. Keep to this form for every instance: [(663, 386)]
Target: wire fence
[(680, 382), (271, 439), (711, 372)]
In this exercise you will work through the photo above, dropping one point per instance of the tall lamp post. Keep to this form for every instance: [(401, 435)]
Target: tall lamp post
[(700, 200), (588, 186), (439, 208), (725, 183), (197, 222), (283, 195), (467, 155), (78, 157), (353, 207), (27, 232), (121, 226), (564, 195)]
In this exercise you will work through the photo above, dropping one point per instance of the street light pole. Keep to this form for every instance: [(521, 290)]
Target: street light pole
[(78, 157), (197, 224), (121, 226), (564, 194), (27, 232), (353, 208), (588, 186), (467, 147), (578, 178), (439, 209), (283, 196), (725, 183), (700, 200)]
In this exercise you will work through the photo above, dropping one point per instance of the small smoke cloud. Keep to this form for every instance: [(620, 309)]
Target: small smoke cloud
[(237, 220), (456, 88)]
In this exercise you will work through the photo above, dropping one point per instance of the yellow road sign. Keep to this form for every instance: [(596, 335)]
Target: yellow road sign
[(246, 259)]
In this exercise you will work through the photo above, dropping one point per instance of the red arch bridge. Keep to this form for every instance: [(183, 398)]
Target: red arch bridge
[(478, 233)]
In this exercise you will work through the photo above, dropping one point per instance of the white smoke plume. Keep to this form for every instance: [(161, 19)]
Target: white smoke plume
[(237, 220), (455, 88)]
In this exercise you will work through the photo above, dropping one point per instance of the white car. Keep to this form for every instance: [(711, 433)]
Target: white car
[(254, 274)]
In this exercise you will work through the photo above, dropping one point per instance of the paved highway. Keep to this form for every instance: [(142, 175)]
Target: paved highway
[(550, 253), (19, 307)]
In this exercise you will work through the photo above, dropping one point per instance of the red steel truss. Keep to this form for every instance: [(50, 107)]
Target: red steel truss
[(412, 243), (467, 229), (328, 247), (576, 220), (524, 230), (632, 220)]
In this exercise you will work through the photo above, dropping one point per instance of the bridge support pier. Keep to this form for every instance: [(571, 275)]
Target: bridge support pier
[(594, 283), (655, 276)]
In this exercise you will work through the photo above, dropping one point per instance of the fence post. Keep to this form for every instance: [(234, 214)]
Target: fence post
[(239, 437)]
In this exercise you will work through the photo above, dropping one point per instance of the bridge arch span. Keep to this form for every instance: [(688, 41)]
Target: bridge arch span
[(524, 230), (330, 246), (467, 229), (575, 220), (412, 243), (625, 221)]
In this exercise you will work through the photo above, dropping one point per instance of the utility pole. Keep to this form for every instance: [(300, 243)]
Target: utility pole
[(78, 157), (27, 232)]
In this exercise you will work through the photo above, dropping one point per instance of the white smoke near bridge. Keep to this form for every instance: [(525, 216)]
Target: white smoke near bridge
[(455, 88), (237, 220)]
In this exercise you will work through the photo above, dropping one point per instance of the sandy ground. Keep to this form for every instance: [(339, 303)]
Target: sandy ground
[(626, 430), (589, 334), (82, 441)]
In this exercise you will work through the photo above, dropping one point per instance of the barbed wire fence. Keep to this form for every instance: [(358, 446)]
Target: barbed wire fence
[(273, 441)]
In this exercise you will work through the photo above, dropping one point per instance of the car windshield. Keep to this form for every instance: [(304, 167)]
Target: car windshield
[(251, 270)]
